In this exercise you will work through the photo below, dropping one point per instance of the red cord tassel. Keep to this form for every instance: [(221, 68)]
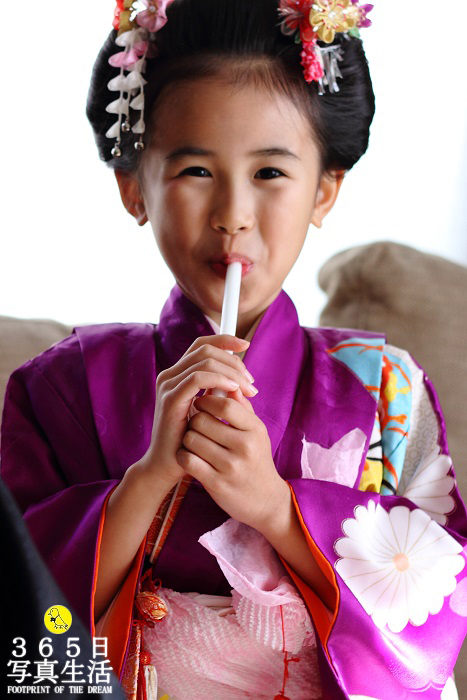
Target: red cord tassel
[(281, 695), (142, 683)]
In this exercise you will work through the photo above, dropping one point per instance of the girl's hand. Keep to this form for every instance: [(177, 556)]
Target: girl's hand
[(205, 365), (233, 462)]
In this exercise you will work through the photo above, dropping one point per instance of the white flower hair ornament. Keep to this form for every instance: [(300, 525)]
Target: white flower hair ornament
[(136, 21)]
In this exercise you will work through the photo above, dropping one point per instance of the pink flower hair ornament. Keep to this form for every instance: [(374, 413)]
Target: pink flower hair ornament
[(307, 21), (136, 21), (310, 21)]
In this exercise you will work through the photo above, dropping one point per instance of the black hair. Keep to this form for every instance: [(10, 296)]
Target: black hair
[(243, 40)]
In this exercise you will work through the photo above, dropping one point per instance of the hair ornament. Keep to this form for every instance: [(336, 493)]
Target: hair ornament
[(136, 21), (310, 21), (307, 21)]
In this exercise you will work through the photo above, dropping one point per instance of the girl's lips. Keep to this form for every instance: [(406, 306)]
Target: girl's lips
[(220, 268)]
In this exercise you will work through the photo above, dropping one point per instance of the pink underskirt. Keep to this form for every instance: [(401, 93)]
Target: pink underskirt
[(232, 647)]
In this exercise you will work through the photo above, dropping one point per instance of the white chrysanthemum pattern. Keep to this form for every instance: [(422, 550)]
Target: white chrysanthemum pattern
[(399, 564), (431, 485)]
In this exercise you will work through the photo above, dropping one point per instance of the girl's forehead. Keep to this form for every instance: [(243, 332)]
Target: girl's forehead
[(213, 109)]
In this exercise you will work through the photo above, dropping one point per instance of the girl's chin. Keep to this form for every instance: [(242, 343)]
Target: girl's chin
[(208, 298)]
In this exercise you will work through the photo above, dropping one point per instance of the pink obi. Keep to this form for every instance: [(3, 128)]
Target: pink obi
[(233, 647)]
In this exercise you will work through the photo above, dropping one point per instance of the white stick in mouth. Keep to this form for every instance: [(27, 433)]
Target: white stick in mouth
[(229, 316)]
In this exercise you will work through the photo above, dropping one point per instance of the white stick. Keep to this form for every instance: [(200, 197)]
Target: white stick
[(229, 316)]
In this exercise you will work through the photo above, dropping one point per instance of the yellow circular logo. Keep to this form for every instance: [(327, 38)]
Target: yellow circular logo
[(57, 619)]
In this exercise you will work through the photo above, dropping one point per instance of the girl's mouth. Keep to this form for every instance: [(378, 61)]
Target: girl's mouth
[(219, 265)]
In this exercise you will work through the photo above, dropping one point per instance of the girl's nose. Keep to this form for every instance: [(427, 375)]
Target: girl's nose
[(232, 213)]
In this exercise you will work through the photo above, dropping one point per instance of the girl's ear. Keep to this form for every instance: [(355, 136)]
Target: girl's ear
[(326, 195), (132, 199)]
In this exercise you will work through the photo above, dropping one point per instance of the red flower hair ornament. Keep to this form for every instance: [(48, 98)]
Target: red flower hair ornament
[(310, 21)]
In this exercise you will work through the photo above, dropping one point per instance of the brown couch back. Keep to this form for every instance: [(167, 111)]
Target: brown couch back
[(23, 339)]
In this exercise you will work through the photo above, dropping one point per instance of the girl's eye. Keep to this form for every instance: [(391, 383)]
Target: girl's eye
[(196, 171), (269, 173)]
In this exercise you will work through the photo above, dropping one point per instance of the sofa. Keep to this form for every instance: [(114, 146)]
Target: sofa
[(418, 300)]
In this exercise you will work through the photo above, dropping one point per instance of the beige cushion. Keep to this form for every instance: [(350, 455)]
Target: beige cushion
[(21, 340), (420, 302)]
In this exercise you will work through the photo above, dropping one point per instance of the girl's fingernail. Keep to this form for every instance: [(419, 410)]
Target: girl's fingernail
[(253, 389), (233, 385), (249, 375)]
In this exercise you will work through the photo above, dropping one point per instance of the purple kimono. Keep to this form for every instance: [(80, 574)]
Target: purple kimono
[(81, 413)]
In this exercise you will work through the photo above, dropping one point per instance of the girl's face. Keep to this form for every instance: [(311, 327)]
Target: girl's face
[(231, 174)]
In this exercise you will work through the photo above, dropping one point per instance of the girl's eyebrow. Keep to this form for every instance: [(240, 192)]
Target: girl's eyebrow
[(187, 151), (274, 151), (193, 151)]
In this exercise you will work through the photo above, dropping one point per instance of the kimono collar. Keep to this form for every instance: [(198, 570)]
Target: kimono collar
[(275, 358), (181, 322)]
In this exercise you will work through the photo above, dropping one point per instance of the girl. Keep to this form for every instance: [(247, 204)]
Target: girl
[(305, 527)]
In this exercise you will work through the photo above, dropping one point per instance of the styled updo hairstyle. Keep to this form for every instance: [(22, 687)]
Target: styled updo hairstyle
[(241, 41)]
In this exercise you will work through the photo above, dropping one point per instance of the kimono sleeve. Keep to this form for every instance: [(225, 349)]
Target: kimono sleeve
[(52, 463), (397, 558)]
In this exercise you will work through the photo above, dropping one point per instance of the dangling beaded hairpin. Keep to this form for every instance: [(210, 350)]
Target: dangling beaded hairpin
[(137, 21), (311, 20)]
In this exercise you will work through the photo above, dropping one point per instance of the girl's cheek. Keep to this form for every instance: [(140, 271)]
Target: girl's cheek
[(180, 217), (184, 193), (281, 206)]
